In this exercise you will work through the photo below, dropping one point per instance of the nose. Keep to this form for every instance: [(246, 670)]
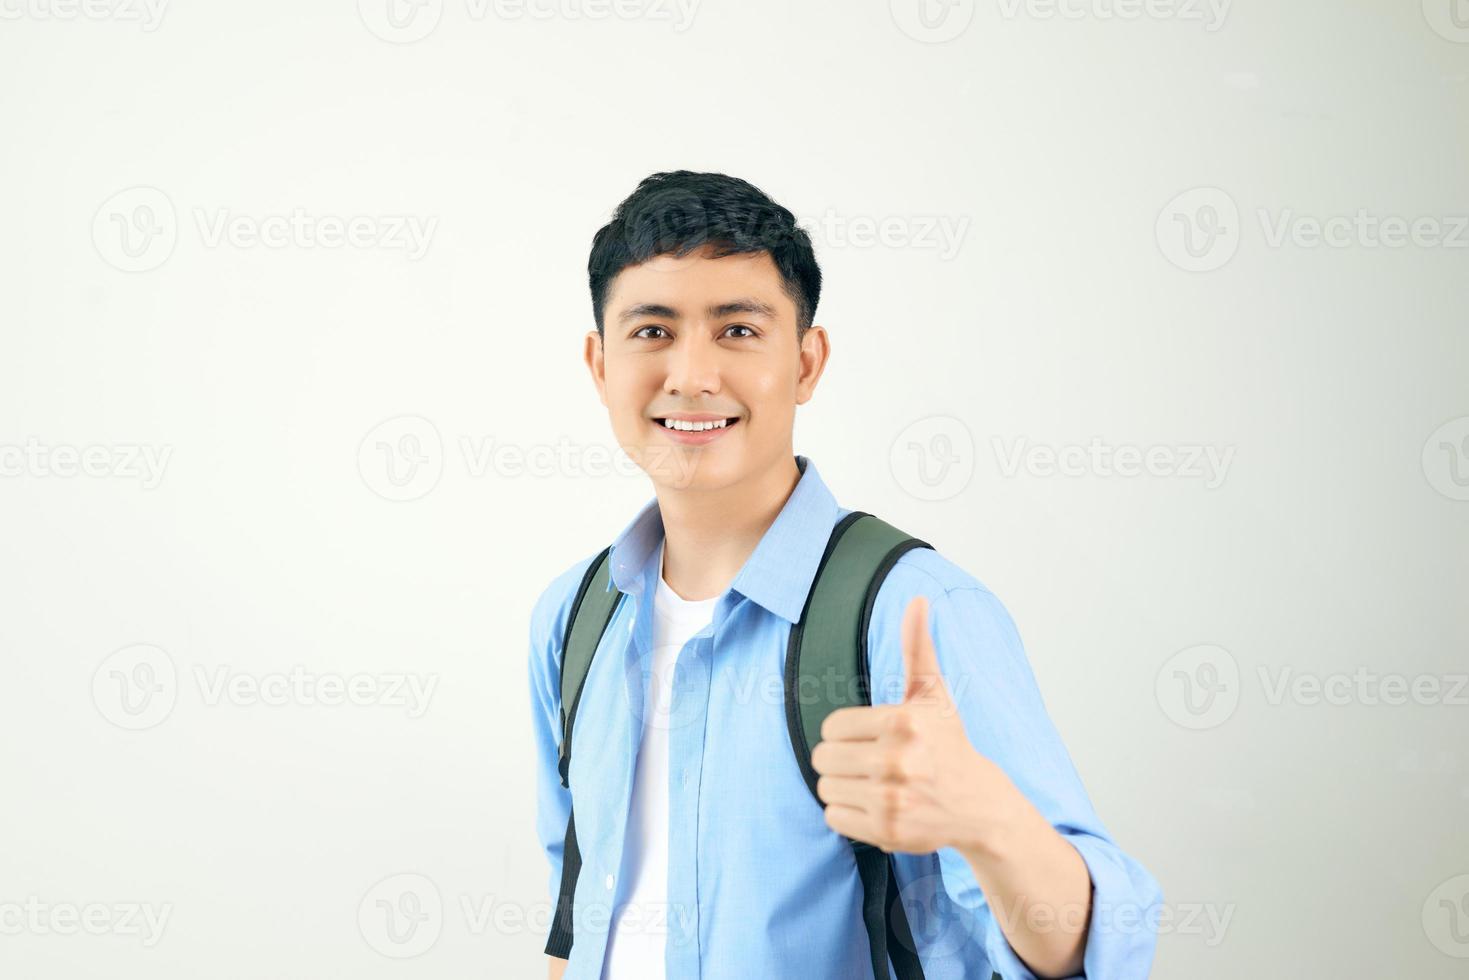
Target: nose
[(693, 366)]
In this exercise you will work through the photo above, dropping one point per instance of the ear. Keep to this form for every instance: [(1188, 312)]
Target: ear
[(596, 363), (815, 350)]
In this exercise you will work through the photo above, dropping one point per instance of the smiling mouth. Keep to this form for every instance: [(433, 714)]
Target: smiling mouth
[(715, 425)]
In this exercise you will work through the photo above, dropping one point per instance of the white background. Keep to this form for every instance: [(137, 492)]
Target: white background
[(1331, 837)]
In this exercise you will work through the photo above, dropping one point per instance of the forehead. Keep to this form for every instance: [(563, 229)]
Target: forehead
[(696, 278)]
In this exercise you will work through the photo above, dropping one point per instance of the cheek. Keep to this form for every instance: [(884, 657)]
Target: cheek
[(627, 402), (770, 394)]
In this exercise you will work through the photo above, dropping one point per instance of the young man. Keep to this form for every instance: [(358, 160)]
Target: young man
[(703, 852)]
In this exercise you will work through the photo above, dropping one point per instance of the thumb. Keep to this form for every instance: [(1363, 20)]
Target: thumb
[(923, 680)]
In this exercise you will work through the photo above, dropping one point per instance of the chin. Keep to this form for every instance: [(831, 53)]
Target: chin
[(679, 468)]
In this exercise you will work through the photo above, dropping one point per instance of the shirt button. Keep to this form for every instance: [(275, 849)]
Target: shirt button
[(685, 776), (609, 882)]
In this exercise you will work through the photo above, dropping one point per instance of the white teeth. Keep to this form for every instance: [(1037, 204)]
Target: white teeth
[(693, 426)]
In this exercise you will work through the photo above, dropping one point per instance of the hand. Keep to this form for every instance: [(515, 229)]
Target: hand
[(905, 777)]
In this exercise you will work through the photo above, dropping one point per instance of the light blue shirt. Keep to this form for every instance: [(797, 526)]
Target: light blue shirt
[(758, 884)]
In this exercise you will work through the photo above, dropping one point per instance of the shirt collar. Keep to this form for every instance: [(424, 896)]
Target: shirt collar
[(778, 573)]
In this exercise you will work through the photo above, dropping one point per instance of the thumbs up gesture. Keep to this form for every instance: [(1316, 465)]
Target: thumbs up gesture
[(904, 776)]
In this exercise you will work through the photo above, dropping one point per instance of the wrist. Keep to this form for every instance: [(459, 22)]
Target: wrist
[(1004, 820)]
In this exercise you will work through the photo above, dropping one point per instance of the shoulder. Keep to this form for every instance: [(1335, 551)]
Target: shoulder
[(972, 629), (925, 571), (951, 591), (922, 571)]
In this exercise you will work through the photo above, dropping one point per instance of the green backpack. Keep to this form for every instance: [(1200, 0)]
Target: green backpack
[(830, 640)]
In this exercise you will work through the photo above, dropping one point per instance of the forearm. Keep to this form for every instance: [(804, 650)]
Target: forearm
[(557, 968), (1038, 888)]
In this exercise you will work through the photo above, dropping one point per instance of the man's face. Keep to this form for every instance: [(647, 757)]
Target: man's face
[(707, 337)]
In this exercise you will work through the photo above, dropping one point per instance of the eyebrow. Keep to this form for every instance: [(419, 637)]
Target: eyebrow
[(743, 305)]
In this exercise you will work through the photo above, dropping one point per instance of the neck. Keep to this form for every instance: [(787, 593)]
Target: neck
[(708, 535)]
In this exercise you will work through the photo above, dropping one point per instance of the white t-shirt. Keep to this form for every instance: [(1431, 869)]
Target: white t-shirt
[(635, 952)]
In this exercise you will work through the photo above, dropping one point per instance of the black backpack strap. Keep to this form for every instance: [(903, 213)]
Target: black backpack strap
[(591, 611), (830, 641)]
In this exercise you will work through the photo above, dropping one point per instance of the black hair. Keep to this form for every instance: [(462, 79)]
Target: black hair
[(681, 211)]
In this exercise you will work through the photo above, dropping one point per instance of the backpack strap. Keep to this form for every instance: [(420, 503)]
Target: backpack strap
[(591, 611), (830, 642)]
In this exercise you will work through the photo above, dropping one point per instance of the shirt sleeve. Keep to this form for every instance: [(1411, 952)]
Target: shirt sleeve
[(553, 801), (990, 680)]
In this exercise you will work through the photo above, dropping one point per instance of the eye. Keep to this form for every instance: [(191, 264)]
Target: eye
[(741, 326), (651, 326)]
